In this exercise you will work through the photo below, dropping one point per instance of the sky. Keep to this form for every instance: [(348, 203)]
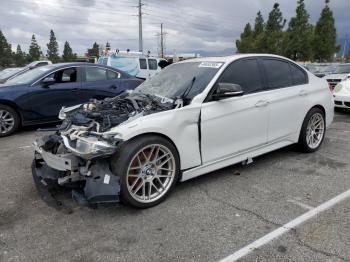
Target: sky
[(205, 26)]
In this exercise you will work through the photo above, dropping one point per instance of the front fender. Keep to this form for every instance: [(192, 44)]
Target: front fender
[(179, 125)]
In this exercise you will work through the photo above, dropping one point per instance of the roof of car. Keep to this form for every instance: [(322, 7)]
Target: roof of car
[(230, 58), (61, 65)]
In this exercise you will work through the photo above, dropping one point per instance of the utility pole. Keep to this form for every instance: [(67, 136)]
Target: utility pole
[(140, 26), (162, 40)]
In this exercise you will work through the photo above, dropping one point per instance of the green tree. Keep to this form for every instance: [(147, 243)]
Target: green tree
[(94, 51), (245, 44), (273, 35), (324, 42), (68, 55), (34, 50), (20, 57), (258, 32), (6, 58), (298, 38), (259, 25), (52, 48)]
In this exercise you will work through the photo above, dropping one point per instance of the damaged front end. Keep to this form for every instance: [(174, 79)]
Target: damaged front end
[(78, 155)]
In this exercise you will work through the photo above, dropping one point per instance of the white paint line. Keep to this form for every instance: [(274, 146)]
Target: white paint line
[(285, 228), (24, 147), (298, 203)]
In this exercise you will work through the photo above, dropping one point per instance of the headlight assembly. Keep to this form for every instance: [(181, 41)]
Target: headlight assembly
[(89, 147), (338, 87)]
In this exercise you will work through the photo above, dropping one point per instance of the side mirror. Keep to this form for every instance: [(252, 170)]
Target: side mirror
[(225, 90), (48, 81)]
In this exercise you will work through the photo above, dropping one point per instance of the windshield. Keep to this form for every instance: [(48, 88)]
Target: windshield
[(175, 80), (9, 72), (29, 76), (312, 68), (342, 69)]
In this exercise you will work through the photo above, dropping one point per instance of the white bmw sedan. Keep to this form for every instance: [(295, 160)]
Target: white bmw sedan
[(194, 117)]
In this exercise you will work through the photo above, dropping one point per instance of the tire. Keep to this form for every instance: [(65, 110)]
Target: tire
[(145, 182), (9, 121), (311, 138)]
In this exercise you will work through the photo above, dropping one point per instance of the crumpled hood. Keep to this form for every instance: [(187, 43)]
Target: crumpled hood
[(102, 115)]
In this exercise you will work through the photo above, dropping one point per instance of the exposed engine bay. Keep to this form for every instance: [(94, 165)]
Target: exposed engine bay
[(77, 154)]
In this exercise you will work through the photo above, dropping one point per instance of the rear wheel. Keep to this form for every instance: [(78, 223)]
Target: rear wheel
[(148, 168), (313, 131), (9, 120)]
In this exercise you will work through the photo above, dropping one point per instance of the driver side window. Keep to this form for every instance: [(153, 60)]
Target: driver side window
[(67, 75), (245, 73)]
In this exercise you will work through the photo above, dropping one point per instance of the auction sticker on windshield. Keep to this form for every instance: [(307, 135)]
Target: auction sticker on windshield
[(210, 64)]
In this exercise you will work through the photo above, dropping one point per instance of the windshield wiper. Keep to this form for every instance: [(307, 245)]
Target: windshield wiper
[(188, 89)]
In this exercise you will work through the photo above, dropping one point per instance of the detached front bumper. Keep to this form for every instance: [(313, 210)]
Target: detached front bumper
[(91, 181)]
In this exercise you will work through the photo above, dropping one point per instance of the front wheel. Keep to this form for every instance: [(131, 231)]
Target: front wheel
[(148, 168), (313, 131)]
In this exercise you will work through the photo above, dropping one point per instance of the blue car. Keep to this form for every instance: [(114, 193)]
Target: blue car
[(37, 96)]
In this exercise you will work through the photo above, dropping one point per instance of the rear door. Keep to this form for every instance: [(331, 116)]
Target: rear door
[(287, 85), (100, 82), (234, 125)]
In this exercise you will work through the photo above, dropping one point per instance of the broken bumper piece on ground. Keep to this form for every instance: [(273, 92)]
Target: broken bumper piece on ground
[(55, 168)]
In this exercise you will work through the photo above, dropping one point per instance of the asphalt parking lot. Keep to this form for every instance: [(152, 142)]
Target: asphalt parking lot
[(205, 219)]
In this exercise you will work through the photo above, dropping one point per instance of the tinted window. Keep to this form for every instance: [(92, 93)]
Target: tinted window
[(143, 63), (68, 75), (95, 74), (277, 73), (152, 64), (112, 75), (244, 73), (299, 77)]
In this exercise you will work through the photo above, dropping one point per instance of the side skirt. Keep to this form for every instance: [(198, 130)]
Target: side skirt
[(232, 159)]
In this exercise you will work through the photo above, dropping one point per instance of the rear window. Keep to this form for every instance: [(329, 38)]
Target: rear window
[(143, 63), (278, 73), (152, 64)]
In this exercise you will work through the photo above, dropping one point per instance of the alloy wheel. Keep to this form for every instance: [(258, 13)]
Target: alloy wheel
[(151, 173), (315, 130)]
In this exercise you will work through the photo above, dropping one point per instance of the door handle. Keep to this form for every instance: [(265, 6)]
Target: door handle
[(303, 93), (74, 90), (113, 86), (261, 103)]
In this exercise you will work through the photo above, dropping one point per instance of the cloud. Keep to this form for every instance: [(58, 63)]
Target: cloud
[(190, 25)]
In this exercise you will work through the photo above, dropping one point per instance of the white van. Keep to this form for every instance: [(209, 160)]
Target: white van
[(133, 63)]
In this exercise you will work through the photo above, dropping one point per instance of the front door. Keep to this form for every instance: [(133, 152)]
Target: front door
[(234, 125), (47, 99)]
